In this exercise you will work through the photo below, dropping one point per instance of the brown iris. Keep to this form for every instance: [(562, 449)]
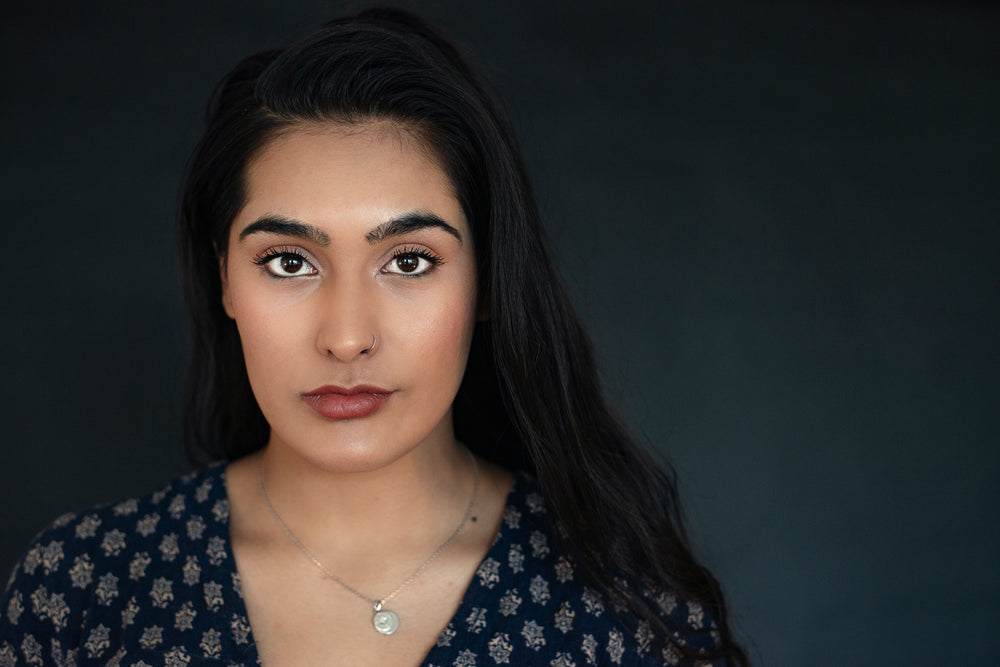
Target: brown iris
[(291, 264), (408, 263)]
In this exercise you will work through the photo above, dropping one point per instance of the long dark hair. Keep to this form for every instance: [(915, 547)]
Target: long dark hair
[(530, 398)]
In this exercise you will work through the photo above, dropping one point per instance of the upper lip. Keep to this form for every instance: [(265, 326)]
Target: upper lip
[(347, 391)]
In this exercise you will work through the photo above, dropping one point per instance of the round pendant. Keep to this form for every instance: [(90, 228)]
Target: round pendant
[(386, 622)]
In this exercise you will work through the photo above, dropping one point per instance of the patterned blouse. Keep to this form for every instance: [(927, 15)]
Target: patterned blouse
[(152, 582)]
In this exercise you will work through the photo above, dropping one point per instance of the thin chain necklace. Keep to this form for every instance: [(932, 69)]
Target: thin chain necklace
[(384, 620)]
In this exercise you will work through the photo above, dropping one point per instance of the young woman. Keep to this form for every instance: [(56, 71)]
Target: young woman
[(416, 463)]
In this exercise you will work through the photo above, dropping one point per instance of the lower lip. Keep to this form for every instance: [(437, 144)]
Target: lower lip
[(345, 406)]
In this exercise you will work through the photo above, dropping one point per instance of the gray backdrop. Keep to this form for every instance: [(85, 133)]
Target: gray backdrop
[(780, 221)]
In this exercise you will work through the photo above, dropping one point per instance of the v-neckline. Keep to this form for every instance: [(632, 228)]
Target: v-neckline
[(237, 602)]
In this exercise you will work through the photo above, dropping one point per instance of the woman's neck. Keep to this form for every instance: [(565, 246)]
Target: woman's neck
[(402, 505)]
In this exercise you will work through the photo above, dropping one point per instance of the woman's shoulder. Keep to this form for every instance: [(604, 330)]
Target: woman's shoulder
[(187, 504), (535, 602), (118, 568)]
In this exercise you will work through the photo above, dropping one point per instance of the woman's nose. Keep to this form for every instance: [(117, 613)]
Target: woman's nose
[(347, 321)]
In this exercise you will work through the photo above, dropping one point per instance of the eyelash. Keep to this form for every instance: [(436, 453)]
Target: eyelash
[(261, 259), (416, 251), (266, 256)]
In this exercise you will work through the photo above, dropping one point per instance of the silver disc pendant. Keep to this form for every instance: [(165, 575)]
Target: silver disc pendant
[(386, 622)]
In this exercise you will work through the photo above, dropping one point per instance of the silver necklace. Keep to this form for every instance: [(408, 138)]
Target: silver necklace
[(384, 620)]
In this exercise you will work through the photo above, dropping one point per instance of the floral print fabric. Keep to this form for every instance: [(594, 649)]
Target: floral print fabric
[(152, 582)]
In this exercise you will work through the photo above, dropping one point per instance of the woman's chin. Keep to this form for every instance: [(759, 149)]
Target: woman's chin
[(344, 456)]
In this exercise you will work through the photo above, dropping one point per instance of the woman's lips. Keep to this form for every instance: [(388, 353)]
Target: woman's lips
[(335, 402)]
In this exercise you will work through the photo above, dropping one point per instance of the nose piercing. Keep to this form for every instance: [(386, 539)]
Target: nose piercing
[(372, 347)]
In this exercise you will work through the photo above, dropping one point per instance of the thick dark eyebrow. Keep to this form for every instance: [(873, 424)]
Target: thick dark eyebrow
[(276, 224), (409, 223)]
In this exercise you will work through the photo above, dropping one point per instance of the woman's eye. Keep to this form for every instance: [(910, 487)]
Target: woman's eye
[(288, 265), (410, 264)]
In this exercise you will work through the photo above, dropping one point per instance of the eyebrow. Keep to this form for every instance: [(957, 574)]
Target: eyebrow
[(410, 223), (277, 224)]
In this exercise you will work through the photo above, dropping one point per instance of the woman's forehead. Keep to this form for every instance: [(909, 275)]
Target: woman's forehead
[(410, 137), (332, 174)]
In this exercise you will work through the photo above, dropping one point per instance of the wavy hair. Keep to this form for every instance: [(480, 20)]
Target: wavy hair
[(530, 398)]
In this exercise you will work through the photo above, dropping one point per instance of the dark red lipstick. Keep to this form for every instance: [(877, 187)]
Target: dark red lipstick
[(335, 402)]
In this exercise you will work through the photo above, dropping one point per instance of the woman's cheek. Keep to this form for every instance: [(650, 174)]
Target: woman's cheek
[(270, 332), (447, 328)]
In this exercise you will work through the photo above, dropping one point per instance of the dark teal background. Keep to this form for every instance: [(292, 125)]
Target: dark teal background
[(781, 222)]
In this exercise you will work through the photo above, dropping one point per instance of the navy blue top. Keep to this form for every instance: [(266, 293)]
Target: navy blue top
[(152, 581)]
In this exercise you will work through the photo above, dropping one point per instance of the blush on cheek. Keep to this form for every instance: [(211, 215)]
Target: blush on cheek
[(450, 329), (445, 340)]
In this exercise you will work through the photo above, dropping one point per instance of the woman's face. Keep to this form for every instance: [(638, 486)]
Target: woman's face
[(352, 235)]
